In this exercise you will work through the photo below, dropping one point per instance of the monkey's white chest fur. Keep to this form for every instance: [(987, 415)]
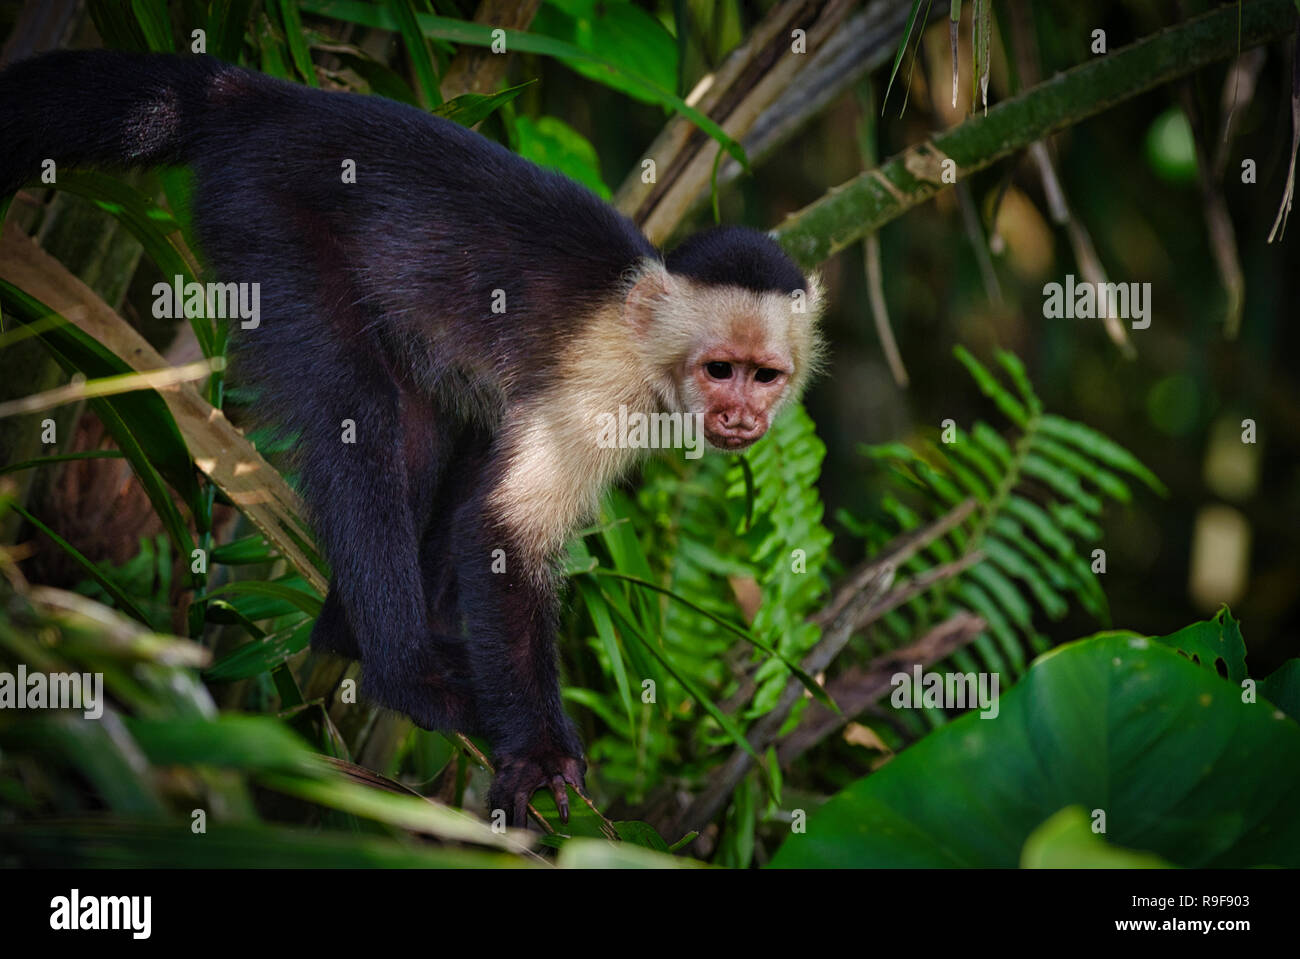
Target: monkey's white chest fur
[(556, 468)]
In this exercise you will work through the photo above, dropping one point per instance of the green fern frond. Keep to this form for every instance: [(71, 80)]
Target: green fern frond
[(1039, 490), (789, 543)]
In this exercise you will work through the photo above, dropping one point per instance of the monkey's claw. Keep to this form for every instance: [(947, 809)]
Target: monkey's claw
[(518, 778)]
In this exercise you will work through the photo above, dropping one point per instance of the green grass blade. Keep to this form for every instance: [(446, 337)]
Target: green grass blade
[(902, 49), (61, 458), (309, 603), (417, 48), (123, 601)]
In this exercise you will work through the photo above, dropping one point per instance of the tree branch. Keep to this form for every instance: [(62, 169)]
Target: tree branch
[(751, 78), (858, 688), (862, 205)]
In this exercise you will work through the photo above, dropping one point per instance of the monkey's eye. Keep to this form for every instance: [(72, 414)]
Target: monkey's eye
[(718, 370), (766, 375)]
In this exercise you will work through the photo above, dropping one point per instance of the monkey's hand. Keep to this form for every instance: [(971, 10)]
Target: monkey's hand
[(518, 777)]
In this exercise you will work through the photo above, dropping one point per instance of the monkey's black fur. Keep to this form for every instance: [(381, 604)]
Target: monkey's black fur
[(352, 276), (737, 256)]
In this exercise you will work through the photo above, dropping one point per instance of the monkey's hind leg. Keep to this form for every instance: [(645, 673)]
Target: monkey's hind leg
[(331, 632), (439, 694), (436, 694), (444, 689)]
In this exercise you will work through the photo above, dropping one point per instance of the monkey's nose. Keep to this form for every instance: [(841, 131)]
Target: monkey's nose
[(737, 421)]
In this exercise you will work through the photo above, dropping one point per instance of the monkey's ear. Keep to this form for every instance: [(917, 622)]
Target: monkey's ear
[(814, 296), (816, 291), (653, 288)]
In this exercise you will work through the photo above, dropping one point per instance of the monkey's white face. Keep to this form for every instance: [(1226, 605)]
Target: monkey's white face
[(736, 392), (743, 364), (732, 356)]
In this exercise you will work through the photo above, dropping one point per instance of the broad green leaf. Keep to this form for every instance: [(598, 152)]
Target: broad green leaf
[(1282, 688), (1179, 765), (408, 812), (1213, 641), (1066, 841), (552, 143), (478, 34), (250, 743), (620, 32)]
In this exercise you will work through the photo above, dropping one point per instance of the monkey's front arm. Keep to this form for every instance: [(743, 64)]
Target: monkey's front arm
[(510, 619)]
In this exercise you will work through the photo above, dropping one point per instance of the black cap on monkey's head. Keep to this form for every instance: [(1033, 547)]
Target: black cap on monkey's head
[(735, 256)]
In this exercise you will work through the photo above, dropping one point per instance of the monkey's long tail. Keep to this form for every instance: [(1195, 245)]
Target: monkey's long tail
[(102, 108)]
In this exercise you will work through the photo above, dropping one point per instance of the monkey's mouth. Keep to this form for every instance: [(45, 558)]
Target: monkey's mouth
[(731, 442)]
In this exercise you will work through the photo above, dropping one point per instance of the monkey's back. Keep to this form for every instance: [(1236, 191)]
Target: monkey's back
[(437, 228), (451, 259)]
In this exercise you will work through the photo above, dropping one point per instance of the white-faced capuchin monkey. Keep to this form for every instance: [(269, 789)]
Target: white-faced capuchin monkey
[(473, 315)]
